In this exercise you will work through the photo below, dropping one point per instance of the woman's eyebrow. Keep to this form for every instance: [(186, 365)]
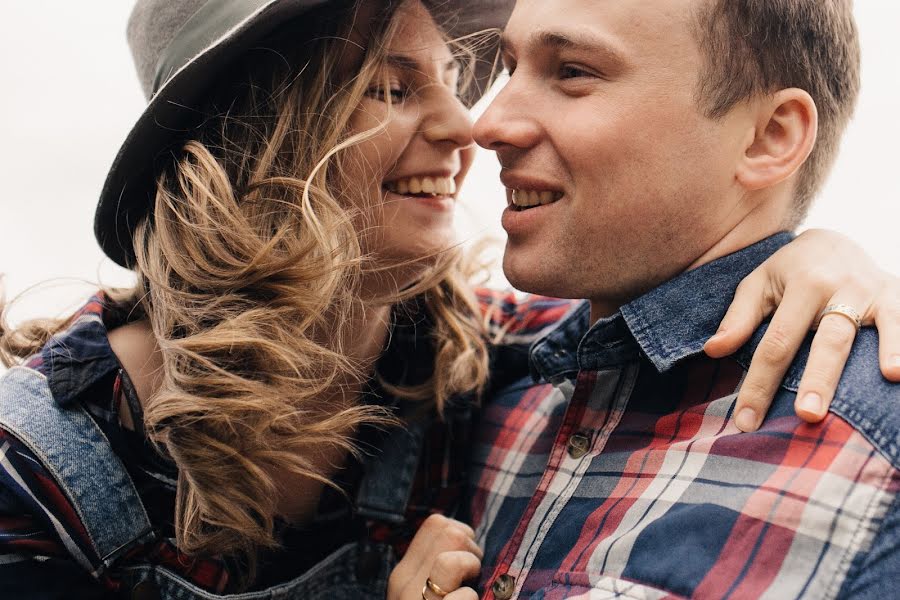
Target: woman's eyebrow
[(408, 63)]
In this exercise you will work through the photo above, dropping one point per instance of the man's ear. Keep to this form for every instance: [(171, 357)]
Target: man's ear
[(784, 136)]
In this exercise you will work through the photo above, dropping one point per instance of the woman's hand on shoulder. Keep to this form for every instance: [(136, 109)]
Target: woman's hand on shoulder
[(442, 552), (818, 269)]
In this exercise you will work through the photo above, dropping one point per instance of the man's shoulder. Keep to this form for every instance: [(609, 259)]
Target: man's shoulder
[(868, 401), (864, 398)]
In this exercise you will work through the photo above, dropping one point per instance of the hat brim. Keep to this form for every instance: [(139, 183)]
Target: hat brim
[(128, 190)]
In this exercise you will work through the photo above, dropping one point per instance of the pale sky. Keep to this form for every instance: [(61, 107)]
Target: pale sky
[(69, 96)]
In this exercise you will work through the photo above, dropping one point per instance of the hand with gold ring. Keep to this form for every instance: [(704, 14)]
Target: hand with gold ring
[(433, 588), (824, 279), (442, 555)]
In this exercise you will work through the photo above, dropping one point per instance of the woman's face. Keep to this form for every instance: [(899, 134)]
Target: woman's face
[(413, 167)]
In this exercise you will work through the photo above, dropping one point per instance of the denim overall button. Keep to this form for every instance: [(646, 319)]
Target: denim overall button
[(368, 565), (145, 590), (503, 587)]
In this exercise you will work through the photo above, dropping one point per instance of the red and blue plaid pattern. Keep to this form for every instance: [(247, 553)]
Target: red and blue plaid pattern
[(616, 470), (671, 504)]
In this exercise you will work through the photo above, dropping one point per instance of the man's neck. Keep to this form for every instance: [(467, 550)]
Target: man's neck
[(767, 219)]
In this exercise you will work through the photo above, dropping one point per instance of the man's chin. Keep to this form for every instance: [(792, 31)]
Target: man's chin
[(536, 278)]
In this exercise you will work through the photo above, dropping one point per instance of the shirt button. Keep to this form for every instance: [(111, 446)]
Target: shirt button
[(579, 445), (503, 587)]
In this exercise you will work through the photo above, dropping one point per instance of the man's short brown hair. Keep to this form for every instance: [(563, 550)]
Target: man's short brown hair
[(756, 47)]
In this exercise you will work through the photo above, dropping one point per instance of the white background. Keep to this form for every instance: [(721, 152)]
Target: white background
[(68, 96)]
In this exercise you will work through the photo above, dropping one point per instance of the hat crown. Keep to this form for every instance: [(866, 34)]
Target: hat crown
[(152, 26)]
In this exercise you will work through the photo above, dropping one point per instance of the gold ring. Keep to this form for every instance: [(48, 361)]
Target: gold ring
[(430, 585), (845, 310)]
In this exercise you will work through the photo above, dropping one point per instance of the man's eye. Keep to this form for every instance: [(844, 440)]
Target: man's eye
[(573, 72)]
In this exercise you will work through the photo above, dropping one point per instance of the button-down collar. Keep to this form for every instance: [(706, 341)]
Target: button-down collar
[(667, 325)]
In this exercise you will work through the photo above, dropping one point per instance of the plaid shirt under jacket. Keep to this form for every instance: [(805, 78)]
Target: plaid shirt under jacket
[(613, 470)]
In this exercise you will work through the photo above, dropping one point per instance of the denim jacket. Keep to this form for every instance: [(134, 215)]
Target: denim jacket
[(81, 515)]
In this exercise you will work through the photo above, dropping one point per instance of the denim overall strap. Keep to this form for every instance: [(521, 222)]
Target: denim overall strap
[(385, 488), (78, 455)]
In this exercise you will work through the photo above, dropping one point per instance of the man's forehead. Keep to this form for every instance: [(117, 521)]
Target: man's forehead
[(592, 19)]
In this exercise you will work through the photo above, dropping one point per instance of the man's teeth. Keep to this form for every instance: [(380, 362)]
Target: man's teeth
[(436, 186), (529, 198)]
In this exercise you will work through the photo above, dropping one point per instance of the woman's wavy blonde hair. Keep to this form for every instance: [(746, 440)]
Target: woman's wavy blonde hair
[(249, 270)]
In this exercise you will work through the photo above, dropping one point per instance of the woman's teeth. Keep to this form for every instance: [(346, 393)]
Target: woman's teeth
[(532, 198), (435, 186)]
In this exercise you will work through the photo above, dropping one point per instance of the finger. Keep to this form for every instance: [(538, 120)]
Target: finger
[(786, 332), (450, 569), (465, 593), (753, 302), (453, 537), (887, 320), (464, 527), (420, 549), (436, 535), (827, 357)]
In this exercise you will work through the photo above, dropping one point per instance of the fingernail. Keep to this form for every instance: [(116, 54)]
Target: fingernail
[(746, 419), (717, 336), (895, 361), (810, 403)]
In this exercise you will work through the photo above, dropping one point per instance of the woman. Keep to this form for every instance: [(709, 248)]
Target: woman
[(284, 397)]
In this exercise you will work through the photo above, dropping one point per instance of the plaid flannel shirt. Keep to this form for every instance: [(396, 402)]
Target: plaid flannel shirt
[(613, 470)]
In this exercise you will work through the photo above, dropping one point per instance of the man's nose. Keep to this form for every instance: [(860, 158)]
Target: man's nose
[(510, 121)]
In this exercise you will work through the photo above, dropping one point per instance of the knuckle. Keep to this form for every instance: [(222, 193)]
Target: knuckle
[(448, 564), (836, 332), (435, 522), (754, 394), (817, 378), (824, 281), (433, 525), (456, 537), (775, 347)]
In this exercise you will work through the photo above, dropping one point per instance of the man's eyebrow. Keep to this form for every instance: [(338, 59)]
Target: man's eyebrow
[(569, 40)]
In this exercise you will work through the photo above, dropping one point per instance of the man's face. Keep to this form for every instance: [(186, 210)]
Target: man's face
[(600, 125)]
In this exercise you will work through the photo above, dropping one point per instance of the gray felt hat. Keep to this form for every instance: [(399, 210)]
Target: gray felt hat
[(180, 47)]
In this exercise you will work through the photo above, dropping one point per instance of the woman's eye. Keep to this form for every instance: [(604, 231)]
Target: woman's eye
[(381, 93)]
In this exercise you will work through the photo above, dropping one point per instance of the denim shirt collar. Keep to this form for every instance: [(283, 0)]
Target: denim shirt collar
[(666, 325)]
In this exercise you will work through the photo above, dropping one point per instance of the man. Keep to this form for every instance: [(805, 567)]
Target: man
[(653, 152)]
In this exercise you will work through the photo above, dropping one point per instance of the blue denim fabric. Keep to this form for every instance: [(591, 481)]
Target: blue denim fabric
[(670, 323), (63, 439), (336, 577), (71, 445)]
